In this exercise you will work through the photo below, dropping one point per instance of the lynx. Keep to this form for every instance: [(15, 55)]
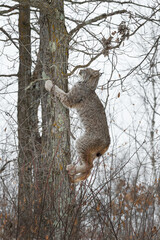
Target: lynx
[(96, 139)]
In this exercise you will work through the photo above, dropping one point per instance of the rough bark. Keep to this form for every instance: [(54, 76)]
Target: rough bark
[(57, 198), (24, 158), (28, 134)]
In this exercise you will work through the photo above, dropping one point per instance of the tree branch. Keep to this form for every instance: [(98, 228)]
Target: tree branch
[(4, 166), (85, 65), (9, 75), (110, 1), (9, 10), (98, 18), (94, 58), (9, 37)]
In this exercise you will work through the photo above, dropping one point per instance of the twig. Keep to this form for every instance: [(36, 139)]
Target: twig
[(4, 166), (98, 18)]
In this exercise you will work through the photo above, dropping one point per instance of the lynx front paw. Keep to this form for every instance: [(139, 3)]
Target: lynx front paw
[(48, 85), (71, 169)]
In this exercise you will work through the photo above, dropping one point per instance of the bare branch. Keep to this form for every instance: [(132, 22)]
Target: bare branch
[(94, 58), (10, 9), (4, 166), (8, 75), (85, 65), (9, 37), (110, 1), (107, 46), (96, 19)]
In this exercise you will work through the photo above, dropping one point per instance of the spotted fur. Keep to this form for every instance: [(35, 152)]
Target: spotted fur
[(96, 139)]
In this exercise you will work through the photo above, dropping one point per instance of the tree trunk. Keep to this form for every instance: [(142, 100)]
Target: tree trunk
[(24, 158), (56, 195), (28, 134)]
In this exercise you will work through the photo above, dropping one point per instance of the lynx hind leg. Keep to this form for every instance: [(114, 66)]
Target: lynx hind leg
[(80, 177), (89, 148), (71, 168), (102, 150), (83, 149), (78, 172), (79, 168)]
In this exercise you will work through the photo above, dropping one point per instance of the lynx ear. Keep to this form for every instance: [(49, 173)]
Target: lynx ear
[(96, 73)]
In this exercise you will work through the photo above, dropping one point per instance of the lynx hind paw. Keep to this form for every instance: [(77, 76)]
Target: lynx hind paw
[(71, 169), (48, 85)]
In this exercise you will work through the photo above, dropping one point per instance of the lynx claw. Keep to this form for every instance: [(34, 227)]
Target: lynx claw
[(71, 169)]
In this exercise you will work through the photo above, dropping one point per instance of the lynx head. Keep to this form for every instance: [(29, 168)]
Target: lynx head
[(90, 77)]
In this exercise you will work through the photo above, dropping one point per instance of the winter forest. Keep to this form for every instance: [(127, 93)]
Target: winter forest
[(55, 39)]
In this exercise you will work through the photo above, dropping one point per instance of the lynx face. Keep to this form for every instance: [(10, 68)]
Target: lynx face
[(90, 77)]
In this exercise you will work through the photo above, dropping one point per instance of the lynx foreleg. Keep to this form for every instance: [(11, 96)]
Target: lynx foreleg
[(63, 97)]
